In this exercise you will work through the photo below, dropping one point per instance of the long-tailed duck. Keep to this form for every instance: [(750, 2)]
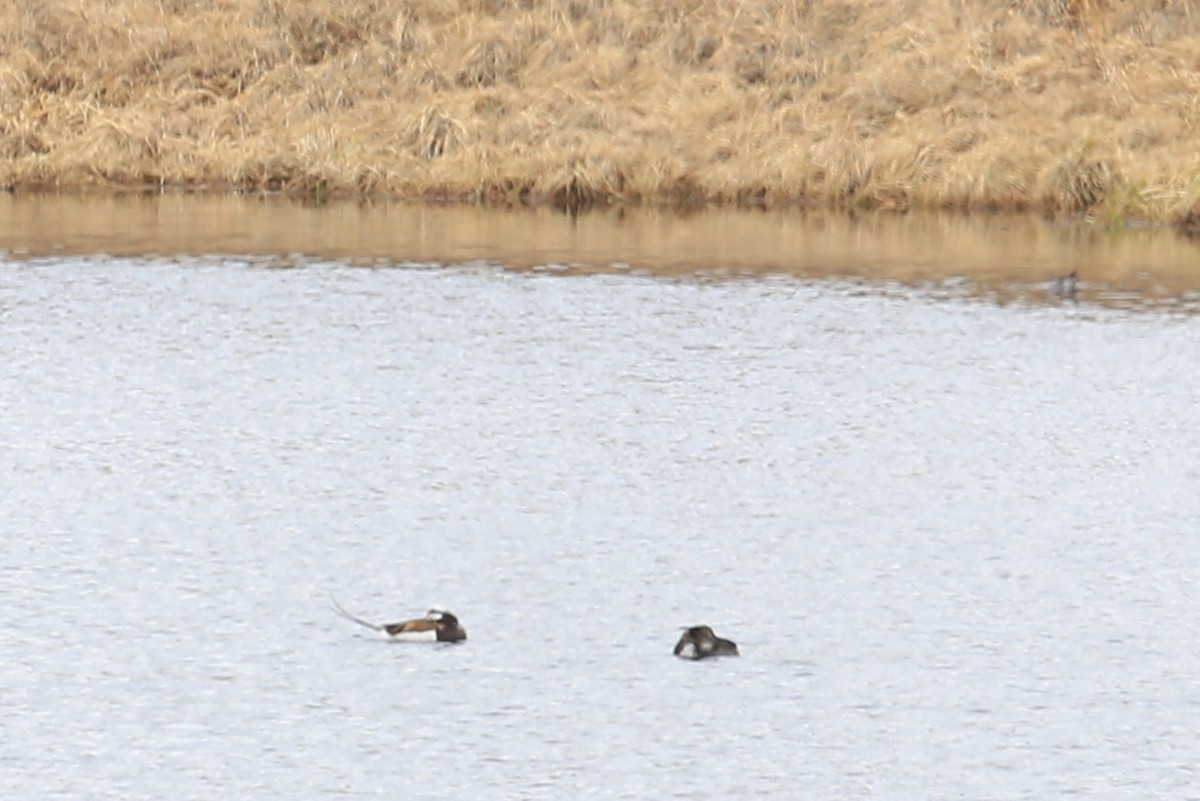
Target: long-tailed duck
[(438, 625), (699, 642)]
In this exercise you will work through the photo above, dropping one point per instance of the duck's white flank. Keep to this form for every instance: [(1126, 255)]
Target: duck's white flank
[(429, 635)]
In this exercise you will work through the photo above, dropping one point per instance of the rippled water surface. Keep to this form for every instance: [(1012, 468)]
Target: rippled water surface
[(956, 540)]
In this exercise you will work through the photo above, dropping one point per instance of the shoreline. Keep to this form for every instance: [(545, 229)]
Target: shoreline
[(1081, 108)]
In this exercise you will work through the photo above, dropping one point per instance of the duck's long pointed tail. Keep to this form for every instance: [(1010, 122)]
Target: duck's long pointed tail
[(341, 611)]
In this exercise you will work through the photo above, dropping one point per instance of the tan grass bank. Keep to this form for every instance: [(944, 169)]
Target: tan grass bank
[(1057, 105)]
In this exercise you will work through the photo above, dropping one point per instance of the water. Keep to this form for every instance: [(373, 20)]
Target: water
[(954, 539)]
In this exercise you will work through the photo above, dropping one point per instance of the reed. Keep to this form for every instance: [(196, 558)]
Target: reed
[(1064, 106)]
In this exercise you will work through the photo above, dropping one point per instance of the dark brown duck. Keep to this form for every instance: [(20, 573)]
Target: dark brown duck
[(699, 642)]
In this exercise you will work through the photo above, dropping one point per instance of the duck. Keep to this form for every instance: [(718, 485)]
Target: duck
[(699, 642), (438, 625), (1064, 285)]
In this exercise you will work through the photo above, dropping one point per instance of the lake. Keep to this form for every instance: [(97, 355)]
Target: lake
[(949, 516)]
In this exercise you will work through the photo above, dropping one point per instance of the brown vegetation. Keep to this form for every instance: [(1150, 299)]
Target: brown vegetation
[(1060, 105)]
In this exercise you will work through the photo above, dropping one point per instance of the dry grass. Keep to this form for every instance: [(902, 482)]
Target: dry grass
[(1065, 106)]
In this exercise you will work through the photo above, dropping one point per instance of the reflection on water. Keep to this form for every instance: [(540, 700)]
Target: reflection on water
[(954, 540), (1005, 258)]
